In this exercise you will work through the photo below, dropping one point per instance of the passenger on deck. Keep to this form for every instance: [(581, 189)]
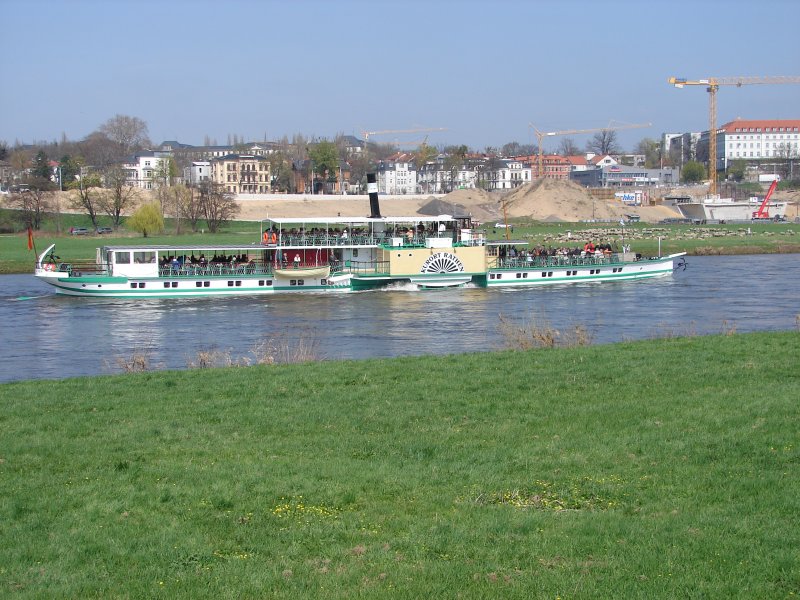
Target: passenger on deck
[(296, 261)]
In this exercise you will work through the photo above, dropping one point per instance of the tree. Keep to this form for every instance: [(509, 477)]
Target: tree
[(651, 150), (693, 172), (280, 170), (34, 201), (736, 169), (100, 151), (456, 156), (70, 168), (129, 132), (121, 195), (146, 219), (218, 205), (87, 196), (567, 147), (191, 208), (325, 161), (41, 166), (604, 142)]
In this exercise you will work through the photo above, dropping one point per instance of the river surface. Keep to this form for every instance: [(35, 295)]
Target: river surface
[(44, 336)]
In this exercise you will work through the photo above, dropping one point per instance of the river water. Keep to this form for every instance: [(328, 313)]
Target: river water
[(44, 336)]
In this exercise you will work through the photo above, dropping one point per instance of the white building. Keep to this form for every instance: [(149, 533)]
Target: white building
[(756, 140), (397, 177), (147, 170), (199, 171)]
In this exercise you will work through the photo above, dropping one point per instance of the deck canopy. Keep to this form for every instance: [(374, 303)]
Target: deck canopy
[(280, 221)]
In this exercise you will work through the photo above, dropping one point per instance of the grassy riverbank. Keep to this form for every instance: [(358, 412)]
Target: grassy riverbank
[(656, 469), (756, 238)]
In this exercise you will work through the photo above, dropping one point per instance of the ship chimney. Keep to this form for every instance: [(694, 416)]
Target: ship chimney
[(372, 190)]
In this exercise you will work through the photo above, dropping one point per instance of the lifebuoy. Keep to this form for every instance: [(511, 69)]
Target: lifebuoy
[(265, 237)]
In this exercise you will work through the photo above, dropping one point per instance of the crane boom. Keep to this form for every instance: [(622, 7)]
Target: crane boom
[(712, 85), (763, 211), (366, 134), (541, 135)]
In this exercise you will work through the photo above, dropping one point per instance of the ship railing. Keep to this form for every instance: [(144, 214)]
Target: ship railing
[(536, 262), (215, 270), (83, 269), (367, 267)]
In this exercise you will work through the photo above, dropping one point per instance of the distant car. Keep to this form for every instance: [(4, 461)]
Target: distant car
[(78, 231), (102, 230)]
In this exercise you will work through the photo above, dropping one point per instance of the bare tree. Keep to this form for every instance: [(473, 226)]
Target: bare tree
[(567, 147), (87, 196), (122, 196), (218, 205), (604, 142), (191, 208), (129, 132), (34, 201), (99, 150)]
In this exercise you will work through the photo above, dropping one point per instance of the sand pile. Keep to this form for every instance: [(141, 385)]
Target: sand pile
[(482, 205), (560, 200)]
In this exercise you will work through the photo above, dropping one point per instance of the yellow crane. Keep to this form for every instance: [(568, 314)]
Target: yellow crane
[(540, 135), (712, 85), (366, 134)]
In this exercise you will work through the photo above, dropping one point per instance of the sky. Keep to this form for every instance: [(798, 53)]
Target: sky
[(485, 71)]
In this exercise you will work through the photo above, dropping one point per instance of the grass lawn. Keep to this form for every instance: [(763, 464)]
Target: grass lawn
[(657, 469)]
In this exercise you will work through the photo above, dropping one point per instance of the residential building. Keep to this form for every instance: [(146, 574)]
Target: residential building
[(198, 172), (397, 175), (242, 173), (147, 170)]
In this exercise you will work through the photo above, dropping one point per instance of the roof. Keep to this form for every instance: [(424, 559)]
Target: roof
[(577, 160), (357, 220), (762, 125)]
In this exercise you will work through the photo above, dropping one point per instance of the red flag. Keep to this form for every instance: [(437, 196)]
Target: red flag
[(30, 238)]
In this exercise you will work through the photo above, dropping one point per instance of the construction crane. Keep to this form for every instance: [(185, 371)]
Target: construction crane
[(540, 135), (366, 134), (712, 85), (763, 210)]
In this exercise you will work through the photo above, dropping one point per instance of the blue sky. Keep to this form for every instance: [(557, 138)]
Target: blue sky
[(483, 70)]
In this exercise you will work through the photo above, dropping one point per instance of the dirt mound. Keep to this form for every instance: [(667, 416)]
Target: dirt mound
[(560, 200), (479, 203)]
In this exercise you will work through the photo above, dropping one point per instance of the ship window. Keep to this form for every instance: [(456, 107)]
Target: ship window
[(198, 284), (544, 274), (355, 251), (230, 284), (550, 274), (144, 257), (293, 282), (122, 258), (323, 282), (238, 284), (133, 285), (519, 275), (260, 282), (141, 284), (269, 281), (166, 284), (206, 284), (301, 282), (174, 284), (524, 275)]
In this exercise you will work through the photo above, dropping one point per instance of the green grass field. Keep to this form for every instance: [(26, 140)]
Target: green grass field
[(658, 469)]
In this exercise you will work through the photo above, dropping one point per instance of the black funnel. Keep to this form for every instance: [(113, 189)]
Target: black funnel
[(372, 190)]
